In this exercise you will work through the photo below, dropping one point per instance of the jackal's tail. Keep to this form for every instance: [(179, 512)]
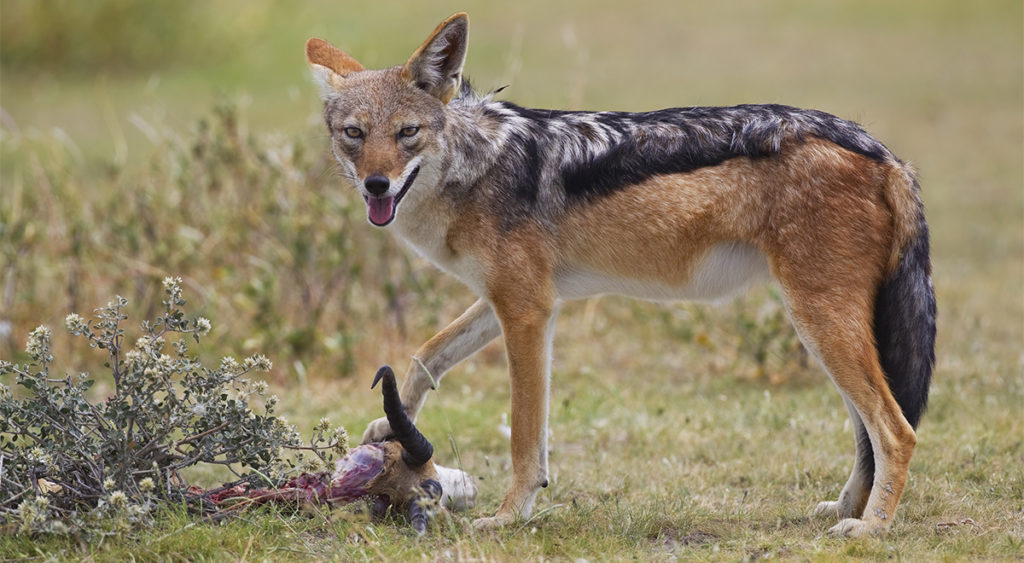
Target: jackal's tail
[(905, 306)]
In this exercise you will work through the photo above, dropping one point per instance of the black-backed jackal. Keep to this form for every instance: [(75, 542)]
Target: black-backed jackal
[(530, 208)]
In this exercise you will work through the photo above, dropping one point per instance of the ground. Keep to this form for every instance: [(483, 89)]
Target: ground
[(678, 431)]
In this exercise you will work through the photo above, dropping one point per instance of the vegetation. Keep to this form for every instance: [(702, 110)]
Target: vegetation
[(76, 467), (681, 431)]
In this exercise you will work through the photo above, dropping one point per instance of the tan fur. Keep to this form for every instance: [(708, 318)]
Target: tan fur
[(904, 204), (817, 196), (408, 71), (463, 336), (827, 223), (320, 52), (658, 230), (522, 294), (816, 193), (397, 480), (381, 155)]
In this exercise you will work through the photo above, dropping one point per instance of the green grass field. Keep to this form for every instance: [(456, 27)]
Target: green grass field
[(141, 140)]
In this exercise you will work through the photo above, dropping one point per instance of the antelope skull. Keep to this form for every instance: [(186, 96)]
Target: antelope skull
[(400, 471)]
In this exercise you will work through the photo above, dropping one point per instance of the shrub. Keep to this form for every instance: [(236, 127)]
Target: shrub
[(68, 464)]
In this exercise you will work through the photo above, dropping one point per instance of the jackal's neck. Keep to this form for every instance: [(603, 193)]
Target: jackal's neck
[(476, 137)]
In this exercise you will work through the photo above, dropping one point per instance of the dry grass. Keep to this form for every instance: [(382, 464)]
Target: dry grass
[(670, 440)]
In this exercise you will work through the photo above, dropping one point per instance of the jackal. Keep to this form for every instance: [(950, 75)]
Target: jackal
[(530, 208)]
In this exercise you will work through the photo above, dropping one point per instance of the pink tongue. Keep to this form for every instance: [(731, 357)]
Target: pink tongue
[(381, 209)]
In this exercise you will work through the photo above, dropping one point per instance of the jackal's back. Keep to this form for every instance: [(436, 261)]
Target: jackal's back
[(590, 154)]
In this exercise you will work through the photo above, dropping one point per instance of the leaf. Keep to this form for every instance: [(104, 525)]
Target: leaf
[(48, 487)]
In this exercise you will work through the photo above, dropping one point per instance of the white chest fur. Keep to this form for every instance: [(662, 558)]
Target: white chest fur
[(423, 224)]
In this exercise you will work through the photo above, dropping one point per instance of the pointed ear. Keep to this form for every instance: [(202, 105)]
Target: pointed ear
[(436, 66), (329, 64)]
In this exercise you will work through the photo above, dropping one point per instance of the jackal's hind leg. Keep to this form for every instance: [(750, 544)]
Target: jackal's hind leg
[(837, 326), (855, 493)]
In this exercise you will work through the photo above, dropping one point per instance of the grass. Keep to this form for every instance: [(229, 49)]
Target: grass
[(670, 438)]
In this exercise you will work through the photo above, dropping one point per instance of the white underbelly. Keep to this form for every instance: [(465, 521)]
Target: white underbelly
[(726, 270)]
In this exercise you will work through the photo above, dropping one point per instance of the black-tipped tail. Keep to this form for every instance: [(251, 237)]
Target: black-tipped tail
[(418, 450), (905, 326)]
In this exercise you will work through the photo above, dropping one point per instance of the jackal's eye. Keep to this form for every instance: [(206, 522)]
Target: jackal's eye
[(409, 131), (353, 132)]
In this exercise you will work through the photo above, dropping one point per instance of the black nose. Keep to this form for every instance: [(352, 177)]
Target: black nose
[(377, 184)]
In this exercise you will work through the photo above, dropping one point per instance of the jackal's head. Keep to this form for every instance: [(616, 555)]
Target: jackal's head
[(387, 126)]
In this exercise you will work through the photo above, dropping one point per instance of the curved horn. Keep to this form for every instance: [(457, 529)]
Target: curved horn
[(417, 450)]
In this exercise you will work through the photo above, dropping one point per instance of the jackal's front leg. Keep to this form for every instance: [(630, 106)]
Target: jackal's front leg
[(528, 329), (464, 336)]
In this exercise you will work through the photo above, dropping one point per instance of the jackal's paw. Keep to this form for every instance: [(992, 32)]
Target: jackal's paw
[(857, 528), (499, 520), (377, 431), (828, 508)]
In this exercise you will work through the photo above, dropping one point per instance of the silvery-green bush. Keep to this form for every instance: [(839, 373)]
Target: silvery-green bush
[(72, 465)]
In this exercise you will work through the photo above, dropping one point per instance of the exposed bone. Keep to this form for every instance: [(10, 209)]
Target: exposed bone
[(458, 488)]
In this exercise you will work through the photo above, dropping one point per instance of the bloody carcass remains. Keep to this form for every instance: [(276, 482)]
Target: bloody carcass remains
[(397, 473)]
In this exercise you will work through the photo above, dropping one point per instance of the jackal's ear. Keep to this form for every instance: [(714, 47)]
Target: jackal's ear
[(330, 65), (437, 65)]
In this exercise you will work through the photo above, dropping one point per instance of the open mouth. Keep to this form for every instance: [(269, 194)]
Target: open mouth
[(381, 210)]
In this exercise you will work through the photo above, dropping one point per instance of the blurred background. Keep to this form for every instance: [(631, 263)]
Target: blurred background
[(145, 139)]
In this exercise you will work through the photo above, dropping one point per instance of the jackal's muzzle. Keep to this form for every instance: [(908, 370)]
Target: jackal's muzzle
[(381, 210)]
